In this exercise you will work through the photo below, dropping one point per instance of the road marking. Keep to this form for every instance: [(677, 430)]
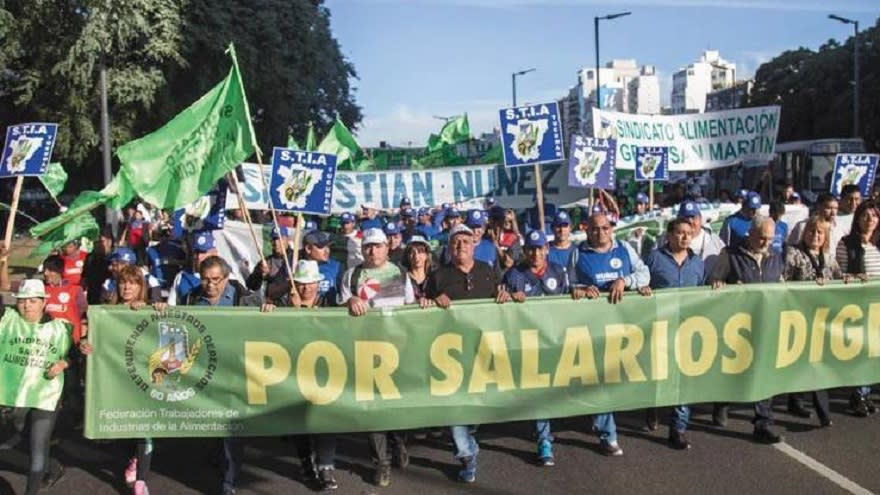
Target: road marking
[(825, 471)]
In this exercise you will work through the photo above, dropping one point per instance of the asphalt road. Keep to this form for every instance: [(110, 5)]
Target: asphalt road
[(722, 461)]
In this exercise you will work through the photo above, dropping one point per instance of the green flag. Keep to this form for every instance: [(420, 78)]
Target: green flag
[(495, 154), (291, 143), (455, 130), (28, 351), (82, 226), (115, 194), (54, 179), (311, 140), (181, 161), (341, 143)]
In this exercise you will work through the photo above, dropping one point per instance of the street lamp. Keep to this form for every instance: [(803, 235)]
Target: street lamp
[(856, 85), (596, 28), (513, 80)]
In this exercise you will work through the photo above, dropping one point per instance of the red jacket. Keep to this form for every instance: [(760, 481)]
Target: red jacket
[(67, 302)]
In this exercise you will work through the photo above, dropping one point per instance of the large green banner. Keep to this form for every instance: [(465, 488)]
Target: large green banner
[(198, 372)]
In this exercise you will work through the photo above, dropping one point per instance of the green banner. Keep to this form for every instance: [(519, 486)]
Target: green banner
[(198, 372)]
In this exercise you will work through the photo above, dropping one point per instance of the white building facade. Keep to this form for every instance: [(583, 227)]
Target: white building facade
[(691, 84)]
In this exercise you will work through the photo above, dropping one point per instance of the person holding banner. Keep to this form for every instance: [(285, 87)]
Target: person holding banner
[(826, 207), (676, 265), (378, 283), (858, 254), (535, 277), (736, 227), (811, 259), (751, 262), (704, 243), (187, 280), (317, 453), (119, 259), (36, 346), (464, 278), (601, 264), (316, 247), (850, 199), (485, 250)]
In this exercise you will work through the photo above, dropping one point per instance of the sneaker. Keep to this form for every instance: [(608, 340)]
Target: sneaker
[(678, 441), (140, 488), (610, 448), (545, 454), (468, 473), (400, 457), (382, 476), (766, 436), (131, 471), (326, 479), (858, 407)]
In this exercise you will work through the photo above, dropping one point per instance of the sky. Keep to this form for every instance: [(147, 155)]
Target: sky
[(421, 59)]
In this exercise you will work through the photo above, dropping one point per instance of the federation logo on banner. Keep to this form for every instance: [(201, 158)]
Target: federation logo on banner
[(854, 168), (302, 181), (652, 163), (205, 213), (591, 162), (28, 149), (531, 134)]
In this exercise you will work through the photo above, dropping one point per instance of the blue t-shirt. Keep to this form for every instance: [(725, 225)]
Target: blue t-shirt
[(521, 278), (779, 237), (560, 256), (601, 269), (486, 252), (327, 288)]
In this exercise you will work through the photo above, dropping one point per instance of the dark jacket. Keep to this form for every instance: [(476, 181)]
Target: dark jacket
[(744, 268), (243, 296)]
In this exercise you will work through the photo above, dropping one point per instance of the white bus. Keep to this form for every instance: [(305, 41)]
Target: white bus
[(808, 165)]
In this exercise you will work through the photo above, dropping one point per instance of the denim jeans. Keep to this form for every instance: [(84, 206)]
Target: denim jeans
[(320, 447), (763, 414), (542, 430), (381, 443), (864, 390), (233, 451), (679, 419), (464, 441), (605, 427)]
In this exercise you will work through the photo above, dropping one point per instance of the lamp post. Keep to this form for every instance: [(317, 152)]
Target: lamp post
[(513, 81), (856, 84)]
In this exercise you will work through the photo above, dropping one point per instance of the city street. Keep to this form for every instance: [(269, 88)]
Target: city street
[(839, 459)]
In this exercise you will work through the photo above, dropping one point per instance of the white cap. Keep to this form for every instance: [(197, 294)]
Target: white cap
[(460, 229), (374, 236), (31, 288), (307, 272)]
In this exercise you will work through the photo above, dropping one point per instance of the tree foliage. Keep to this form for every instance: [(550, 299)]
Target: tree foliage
[(815, 89), (160, 56)]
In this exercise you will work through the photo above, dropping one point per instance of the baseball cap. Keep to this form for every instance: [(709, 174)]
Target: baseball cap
[(424, 211), (753, 200), (490, 201), (742, 193), (391, 228), (451, 213), (278, 233), (795, 195), (404, 202), (445, 206), (641, 198), (536, 239), (476, 218), (561, 218), (347, 218), (688, 209), (31, 288), (203, 242), (307, 272), (123, 254), (317, 238), (374, 236), (417, 239), (407, 212), (460, 229)]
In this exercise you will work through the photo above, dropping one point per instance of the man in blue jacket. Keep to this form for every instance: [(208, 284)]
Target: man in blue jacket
[(735, 228)]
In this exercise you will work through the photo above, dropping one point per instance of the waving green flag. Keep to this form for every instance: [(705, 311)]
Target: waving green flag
[(54, 179), (291, 143), (181, 161), (116, 194), (340, 142), (311, 140), (455, 130)]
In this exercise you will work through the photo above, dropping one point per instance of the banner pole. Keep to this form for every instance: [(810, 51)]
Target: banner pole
[(275, 216), (650, 194), (539, 195), (10, 227), (247, 216)]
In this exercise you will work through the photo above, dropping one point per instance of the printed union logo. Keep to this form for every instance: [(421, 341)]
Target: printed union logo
[(616, 263), (168, 371), (552, 284)]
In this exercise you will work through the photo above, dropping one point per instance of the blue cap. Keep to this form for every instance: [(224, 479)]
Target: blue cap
[(490, 201), (451, 212), (795, 195), (391, 228), (407, 212), (404, 202), (561, 218), (753, 200), (347, 218), (642, 198), (445, 206), (742, 193), (124, 255), (424, 211), (536, 239), (688, 209), (475, 218), (278, 233), (203, 241)]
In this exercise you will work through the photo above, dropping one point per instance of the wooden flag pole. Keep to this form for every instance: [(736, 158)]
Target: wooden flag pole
[(297, 238), (539, 195), (650, 194), (10, 227), (247, 216), (275, 215)]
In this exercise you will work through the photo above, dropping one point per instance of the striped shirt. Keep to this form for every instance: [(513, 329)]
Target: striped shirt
[(872, 259)]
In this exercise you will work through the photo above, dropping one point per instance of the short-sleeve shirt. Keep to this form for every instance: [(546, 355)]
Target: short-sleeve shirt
[(480, 283)]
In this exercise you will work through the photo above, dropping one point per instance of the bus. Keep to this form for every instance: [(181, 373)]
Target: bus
[(808, 165)]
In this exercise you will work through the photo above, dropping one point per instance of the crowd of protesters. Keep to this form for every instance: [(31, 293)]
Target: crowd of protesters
[(435, 257)]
